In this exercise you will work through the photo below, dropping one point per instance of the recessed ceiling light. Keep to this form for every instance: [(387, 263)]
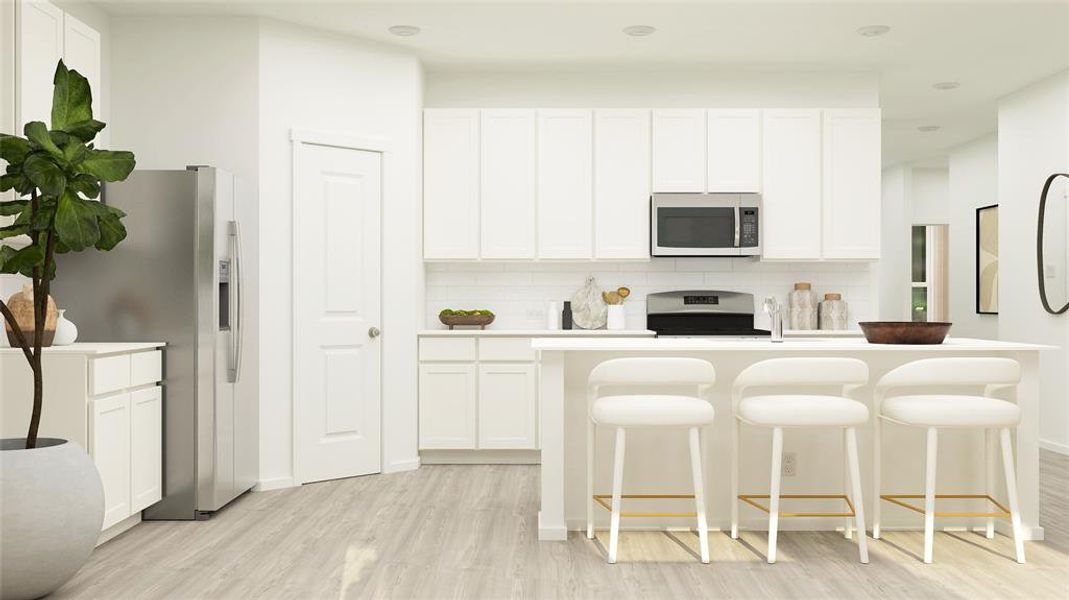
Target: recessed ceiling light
[(639, 30), (946, 85), (873, 30), (404, 30), (928, 128)]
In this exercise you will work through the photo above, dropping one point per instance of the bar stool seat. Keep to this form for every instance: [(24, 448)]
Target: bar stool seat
[(951, 411), (802, 410), (652, 411)]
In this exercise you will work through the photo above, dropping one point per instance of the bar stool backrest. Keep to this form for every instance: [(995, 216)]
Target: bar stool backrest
[(992, 373), (849, 373), (652, 371)]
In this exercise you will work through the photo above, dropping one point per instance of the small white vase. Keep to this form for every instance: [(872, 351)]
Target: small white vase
[(66, 331), (615, 318)]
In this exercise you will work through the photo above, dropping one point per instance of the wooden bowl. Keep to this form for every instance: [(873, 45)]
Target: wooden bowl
[(480, 321), (905, 332)]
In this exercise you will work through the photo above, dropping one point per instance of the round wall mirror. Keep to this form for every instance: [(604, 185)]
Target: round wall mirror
[(1053, 244)]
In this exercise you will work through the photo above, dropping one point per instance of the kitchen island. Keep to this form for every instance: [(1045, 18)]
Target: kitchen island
[(657, 461)]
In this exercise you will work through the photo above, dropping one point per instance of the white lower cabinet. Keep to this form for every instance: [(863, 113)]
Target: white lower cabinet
[(447, 406), (146, 447), (487, 400), (109, 445), (508, 406)]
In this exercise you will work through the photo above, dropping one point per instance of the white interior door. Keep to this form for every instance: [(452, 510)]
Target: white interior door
[(337, 273)]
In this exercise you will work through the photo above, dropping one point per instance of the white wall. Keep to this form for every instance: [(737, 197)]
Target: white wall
[(929, 193), (315, 80), (973, 182), (896, 218), (1033, 142)]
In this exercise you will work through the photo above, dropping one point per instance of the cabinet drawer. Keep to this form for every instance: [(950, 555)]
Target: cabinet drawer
[(447, 349), (506, 349), (146, 368), (109, 374)]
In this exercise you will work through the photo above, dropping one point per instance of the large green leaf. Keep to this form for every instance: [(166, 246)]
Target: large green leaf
[(21, 261), (45, 174), (85, 130), (76, 222), (108, 165), (72, 101), (12, 207), (112, 232), (13, 149), (86, 185), (14, 181), (38, 134), (74, 151), (13, 231)]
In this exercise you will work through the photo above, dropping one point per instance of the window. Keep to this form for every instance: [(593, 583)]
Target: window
[(928, 292)]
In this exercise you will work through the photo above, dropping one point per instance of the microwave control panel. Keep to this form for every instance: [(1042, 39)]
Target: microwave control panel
[(748, 227)]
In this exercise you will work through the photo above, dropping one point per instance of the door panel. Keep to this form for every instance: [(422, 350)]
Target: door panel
[(622, 183), (338, 302), (852, 183), (109, 441), (507, 176), (679, 150), (39, 39), (450, 183), (146, 447), (565, 184), (791, 188), (447, 412), (508, 407), (734, 150)]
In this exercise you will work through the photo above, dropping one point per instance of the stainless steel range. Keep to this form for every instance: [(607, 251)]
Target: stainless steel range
[(702, 313)]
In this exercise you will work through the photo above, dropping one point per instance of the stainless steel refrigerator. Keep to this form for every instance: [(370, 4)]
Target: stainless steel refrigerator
[(179, 278)]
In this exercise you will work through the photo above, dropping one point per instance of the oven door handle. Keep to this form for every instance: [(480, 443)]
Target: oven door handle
[(737, 217)]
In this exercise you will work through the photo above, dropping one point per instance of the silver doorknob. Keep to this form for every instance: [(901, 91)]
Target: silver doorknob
[(373, 332)]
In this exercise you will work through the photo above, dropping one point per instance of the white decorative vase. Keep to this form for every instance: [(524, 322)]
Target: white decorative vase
[(802, 307), (834, 313), (51, 510), (615, 318), (66, 331)]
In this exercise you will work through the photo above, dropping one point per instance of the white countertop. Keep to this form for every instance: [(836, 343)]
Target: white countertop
[(537, 333), (840, 344), (93, 348)]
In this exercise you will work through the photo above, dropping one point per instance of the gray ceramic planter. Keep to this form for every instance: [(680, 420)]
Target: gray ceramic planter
[(51, 510)]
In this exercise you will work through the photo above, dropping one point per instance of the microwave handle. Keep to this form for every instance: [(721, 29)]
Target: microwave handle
[(737, 216)]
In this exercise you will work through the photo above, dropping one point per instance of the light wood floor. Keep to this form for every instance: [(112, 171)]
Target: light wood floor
[(470, 532)]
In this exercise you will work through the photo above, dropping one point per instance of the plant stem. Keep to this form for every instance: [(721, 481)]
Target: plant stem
[(20, 339)]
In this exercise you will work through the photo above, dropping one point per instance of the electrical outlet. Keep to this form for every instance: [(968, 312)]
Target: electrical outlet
[(789, 465)]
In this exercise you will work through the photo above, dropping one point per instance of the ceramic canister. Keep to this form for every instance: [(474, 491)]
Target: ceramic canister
[(802, 307), (834, 313)]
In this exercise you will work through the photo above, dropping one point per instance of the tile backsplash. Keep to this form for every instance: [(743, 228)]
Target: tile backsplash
[(519, 293)]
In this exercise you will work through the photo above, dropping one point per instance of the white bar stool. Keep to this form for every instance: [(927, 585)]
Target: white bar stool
[(800, 410), (935, 411), (648, 410)]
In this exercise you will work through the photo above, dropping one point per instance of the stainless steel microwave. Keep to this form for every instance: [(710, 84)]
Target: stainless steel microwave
[(705, 225)]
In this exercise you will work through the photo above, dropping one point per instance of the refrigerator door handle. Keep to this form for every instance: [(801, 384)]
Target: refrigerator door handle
[(237, 332)]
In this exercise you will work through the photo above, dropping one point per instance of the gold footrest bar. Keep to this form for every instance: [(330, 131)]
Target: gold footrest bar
[(750, 499), (896, 500), (600, 499)]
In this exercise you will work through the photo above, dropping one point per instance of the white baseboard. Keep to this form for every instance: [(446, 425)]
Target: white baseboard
[(1054, 447), (480, 457), (276, 483), (400, 466)]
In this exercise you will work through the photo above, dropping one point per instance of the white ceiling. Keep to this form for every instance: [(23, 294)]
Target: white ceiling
[(992, 48)]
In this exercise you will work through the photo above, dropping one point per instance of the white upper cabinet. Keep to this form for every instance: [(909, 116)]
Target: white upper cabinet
[(852, 183), (733, 144), (679, 150), (507, 182), (39, 36), (622, 184), (81, 52), (565, 184), (450, 184), (791, 184)]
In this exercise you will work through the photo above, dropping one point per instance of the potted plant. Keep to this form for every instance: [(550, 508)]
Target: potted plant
[(51, 498)]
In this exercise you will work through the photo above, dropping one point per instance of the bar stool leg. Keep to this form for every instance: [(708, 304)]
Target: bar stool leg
[(989, 475), (929, 493), (773, 507), (1011, 492), (699, 491), (734, 478), (591, 433), (617, 488), (855, 484), (877, 427), (848, 525)]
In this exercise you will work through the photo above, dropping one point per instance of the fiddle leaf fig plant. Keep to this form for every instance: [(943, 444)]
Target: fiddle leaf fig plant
[(56, 174)]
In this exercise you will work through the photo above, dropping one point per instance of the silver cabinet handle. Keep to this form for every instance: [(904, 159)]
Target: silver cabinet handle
[(373, 332), (237, 276)]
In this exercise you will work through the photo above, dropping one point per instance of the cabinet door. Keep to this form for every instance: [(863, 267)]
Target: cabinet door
[(622, 184), (733, 150), (81, 52), (39, 45), (508, 407), (852, 187), (791, 189), (450, 184), (565, 184), (146, 447), (447, 406), (507, 176), (109, 441), (679, 150)]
